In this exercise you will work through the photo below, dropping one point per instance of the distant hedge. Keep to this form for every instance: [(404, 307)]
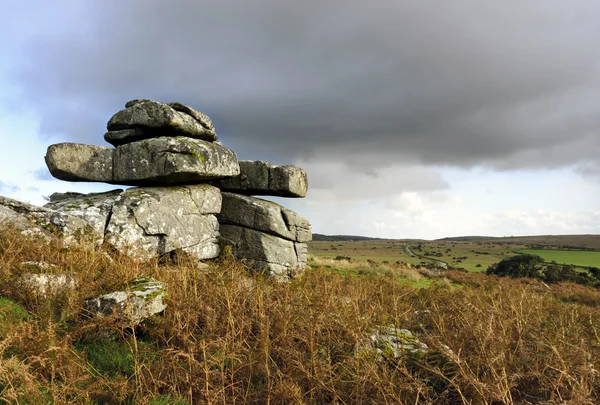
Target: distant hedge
[(533, 266)]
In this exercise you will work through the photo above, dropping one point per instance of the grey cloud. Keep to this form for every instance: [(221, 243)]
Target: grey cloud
[(457, 83)]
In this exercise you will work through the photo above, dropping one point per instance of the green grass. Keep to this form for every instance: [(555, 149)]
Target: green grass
[(574, 257), (11, 314)]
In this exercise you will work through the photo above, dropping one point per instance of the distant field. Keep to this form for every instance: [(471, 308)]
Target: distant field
[(575, 257), (472, 253), (470, 256)]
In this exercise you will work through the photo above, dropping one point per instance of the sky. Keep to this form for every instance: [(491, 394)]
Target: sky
[(412, 118)]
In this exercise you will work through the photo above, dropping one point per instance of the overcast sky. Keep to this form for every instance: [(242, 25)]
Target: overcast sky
[(413, 119)]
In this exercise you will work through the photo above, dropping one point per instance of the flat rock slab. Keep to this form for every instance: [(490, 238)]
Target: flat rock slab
[(171, 161), (148, 221), (80, 162), (279, 257), (150, 119), (150, 162), (258, 177), (265, 216)]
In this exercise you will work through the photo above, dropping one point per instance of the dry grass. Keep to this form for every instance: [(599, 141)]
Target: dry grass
[(228, 337)]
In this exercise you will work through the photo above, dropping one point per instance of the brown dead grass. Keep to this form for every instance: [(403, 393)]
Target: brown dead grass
[(230, 337)]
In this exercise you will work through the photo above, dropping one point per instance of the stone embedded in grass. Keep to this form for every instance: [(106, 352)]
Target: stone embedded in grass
[(142, 299), (265, 216), (396, 343), (258, 177), (46, 285), (158, 119)]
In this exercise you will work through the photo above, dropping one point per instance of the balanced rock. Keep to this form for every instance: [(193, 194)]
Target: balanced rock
[(171, 161), (80, 162), (258, 177), (150, 119), (276, 256), (265, 216), (150, 162), (149, 221)]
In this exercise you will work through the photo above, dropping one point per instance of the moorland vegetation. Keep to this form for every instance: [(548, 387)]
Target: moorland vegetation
[(230, 336)]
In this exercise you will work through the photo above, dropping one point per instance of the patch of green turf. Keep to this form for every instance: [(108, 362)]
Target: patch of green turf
[(11, 314), (109, 357), (574, 257)]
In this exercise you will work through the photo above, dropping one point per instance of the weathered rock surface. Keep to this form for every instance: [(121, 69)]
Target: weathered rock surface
[(202, 118), (277, 256), (171, 161), (159, 220), (148, 221), (160, 119), (80, 162), (45, 285), (149, 162), (94, 208), (142, 299), (265, 216), (395, 342), (258, 177), (33, 220)]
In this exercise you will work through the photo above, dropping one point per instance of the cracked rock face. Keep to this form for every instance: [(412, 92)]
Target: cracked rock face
[(149, 221), (151, 119), (265, 216), (157, 161), (279, 257), (93, 208), (258, 177)]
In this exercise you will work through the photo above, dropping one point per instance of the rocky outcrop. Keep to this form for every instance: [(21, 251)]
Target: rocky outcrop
[(265, 216), (79, 162), (169, 151), (274, 255), (149, 221), (152, 119), (157, 161), (258, 177), (34, 220), (171, 161)]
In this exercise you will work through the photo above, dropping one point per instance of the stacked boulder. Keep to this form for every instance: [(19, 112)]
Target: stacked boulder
[(263, 231), (170, 153)]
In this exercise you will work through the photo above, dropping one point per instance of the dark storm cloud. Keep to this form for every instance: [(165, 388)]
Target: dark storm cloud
[(365, 83)]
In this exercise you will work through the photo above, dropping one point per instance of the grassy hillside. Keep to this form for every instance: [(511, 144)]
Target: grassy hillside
[(229, 336)]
